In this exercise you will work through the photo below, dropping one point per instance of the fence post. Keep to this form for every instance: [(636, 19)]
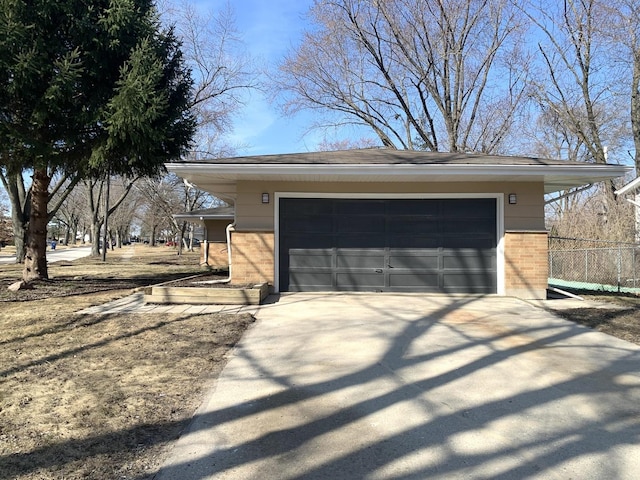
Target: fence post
[(586, 265), (619, 266)]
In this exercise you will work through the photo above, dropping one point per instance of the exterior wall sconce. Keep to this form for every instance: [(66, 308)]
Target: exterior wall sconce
[(513, 199), (265, 198)]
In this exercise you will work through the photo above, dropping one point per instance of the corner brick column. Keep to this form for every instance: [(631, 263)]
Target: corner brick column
[(252, 257), (526, 269)]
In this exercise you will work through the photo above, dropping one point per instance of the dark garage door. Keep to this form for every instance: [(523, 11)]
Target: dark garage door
[(391, 245)]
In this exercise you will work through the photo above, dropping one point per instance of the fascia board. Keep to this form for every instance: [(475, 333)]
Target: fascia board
[(243, 170)]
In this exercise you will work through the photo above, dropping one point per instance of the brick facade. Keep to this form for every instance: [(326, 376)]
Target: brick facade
[(252, 257), (214, 254), (526, 264)]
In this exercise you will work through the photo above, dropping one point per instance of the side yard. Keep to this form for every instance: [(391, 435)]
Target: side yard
[(620, 319), (101, 396)]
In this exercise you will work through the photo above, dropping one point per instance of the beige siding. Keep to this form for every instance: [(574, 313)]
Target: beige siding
[(252, 214), (216, 230)]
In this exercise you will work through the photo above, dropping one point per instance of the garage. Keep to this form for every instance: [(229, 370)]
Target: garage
[(438, 245)]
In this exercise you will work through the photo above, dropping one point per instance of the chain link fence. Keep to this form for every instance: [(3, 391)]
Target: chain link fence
[(597, 265)]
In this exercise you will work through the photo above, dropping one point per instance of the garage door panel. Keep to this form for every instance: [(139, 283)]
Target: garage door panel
[(307, 258), (427, 281), (315, 241), (310, 281), (308, 206), (411, 259), (468, 283), (428, 245), (414, 241), (413, 225), (314, 223), (370, 259), (360, 224), (369, 241), (479, 242), (358, 207), (359, 281), (460, 207), (465, 226), (408, 207), (465, 260)]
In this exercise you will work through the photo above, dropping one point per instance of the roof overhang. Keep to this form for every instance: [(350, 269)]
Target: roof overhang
[(219, 213), (220, 178)]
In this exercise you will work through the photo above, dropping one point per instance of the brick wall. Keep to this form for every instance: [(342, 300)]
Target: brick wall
[(526, 264), (214, 254), (252, 257)]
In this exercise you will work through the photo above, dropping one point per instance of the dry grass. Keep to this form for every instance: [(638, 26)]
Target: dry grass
[(84, 396), (621, 321)]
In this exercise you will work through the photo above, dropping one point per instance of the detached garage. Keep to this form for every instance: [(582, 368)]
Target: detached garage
[(391, 221)]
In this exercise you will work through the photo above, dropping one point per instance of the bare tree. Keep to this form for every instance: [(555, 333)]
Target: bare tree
[(618, 22), (167, 196), (326, 145), (445, 75), (19, 191), (222, 69), (69, 215), (96, 191), (585, 102)]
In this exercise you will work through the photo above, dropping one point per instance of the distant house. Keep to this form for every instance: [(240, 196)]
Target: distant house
[(214, 222), (388, 220)]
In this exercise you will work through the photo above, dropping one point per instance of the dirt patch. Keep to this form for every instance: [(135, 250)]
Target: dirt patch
[(621, 320), (101, 396)]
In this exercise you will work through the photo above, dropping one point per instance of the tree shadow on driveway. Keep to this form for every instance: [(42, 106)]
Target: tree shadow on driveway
[(393, 386)]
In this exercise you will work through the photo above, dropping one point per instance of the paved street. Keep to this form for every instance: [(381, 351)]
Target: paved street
[(66, 255)]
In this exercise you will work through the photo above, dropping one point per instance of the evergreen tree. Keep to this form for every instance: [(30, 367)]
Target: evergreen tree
[(89, 87)]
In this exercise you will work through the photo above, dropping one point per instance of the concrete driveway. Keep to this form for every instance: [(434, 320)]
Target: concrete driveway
[(350, 386)]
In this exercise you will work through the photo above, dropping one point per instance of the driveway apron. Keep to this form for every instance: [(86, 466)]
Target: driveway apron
[(383, 386)]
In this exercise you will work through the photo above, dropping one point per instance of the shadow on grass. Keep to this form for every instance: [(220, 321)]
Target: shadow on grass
[(431, 445)]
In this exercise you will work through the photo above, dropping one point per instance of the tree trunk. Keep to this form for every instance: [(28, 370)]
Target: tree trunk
[(18, 197), (95, 237), (106, 242), (35, 262), (19, 236)]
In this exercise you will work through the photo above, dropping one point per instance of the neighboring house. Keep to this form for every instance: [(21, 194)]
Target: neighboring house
[(632, 188), (388, 220), (213, 250)]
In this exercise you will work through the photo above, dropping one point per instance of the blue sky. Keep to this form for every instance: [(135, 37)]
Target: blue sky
[(268, 28)]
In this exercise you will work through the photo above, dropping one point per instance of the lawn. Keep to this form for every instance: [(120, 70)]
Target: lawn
[(101, 397)]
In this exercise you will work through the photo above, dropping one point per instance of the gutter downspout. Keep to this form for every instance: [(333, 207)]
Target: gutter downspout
[(228, 230), (206, 244)]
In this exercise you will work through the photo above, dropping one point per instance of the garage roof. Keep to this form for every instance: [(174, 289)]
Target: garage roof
[(385, 165)]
